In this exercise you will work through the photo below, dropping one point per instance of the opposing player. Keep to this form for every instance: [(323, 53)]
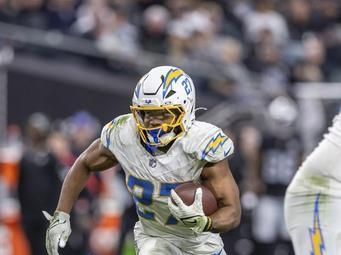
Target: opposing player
[(159, 146), (313, 199)]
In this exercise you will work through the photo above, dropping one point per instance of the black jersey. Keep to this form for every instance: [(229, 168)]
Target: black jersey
[(280, 158)]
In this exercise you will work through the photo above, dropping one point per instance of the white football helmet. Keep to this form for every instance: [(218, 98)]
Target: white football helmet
[(169, 89)]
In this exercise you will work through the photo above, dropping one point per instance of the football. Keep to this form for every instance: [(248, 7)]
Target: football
[(186, 192)]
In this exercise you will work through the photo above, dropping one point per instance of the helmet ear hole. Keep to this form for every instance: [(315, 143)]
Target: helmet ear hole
[(185, 101)]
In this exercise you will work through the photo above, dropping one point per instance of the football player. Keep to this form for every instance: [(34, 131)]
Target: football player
[(313, 199), (160, 145)]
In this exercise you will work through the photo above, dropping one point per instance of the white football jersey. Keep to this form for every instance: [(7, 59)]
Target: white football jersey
[(150, 178)]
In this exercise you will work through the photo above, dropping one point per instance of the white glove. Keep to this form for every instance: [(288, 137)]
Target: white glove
[(58, 231), (193, 215)]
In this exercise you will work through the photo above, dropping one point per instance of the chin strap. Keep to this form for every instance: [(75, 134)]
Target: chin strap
[(159, 136), (152, 135)]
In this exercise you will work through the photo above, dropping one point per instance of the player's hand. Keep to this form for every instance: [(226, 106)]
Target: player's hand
[(58, 232), (191, 215)]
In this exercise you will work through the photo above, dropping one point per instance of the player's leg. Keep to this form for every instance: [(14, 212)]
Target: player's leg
[(314, 223), (301, 240), (338, 243), (220, 252), (156, 246), (299, 219), (153, 245), (320, 242)]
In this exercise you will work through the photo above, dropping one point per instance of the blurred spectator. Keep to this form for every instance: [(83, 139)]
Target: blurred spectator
[(180, 28), (312, 68), (12, 238), (280, 152), (235, 82), (239, 241), (113, 199), (39, 182), (231, 23), (82, 128), (118, 35), (215, 14), (109, 27), (258, 49), (60, 147), (61, 14), (91, 17), (266, 61), (6, 14), (300, 17), (30, 13), (265, 19), (143, 4), (326, 12), (128, 217), (154, 29), (202, 34)]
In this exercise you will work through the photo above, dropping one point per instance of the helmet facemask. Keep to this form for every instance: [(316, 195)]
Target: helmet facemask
[(159, 125)]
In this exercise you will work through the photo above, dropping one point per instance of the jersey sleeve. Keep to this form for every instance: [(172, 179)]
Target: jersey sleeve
[(212, 144), (110, 132)]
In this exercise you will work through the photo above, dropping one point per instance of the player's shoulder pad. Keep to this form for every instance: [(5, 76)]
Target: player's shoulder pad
[(113, 129), (207, 142)]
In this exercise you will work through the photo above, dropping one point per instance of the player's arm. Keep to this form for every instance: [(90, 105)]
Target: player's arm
[(95, 158), (218, 178), (211, 147)]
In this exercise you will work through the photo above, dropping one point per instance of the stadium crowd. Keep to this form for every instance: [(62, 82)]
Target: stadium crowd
[(281, 41), (262, 46)]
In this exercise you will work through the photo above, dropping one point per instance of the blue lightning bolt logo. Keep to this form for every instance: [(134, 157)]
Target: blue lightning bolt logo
[(214, 144), (316, 232)]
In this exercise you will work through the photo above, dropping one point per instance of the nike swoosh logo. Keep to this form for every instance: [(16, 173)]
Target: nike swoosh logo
[(56, 223), (188, 221)]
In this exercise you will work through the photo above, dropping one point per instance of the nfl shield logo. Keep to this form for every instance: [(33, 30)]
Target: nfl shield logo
[(152, 162)]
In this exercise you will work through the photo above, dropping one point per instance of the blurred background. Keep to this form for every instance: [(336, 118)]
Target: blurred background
[(267, 70)]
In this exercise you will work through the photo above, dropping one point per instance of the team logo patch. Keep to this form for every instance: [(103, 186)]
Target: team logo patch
[(213, 145), (152, 162), (172, 75), (316, 237)]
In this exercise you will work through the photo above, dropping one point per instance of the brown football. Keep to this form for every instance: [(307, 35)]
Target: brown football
[(186, 192)]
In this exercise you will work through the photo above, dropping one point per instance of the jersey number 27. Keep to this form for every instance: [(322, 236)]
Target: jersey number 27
[(145, 197)]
